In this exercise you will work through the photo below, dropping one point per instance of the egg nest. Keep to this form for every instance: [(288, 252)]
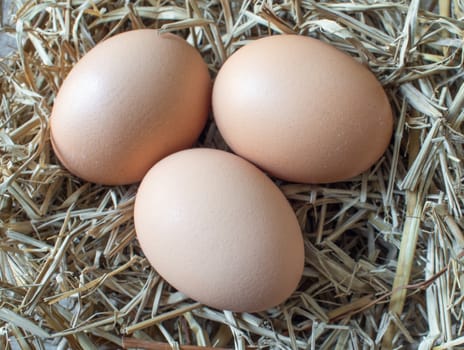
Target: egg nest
[(384, 251)]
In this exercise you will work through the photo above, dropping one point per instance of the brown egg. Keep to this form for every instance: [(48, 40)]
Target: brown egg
[(130, 101), (219, 230), (302, 110)]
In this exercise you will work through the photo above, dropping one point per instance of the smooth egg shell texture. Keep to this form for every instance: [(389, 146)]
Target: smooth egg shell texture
[(219, 230), (130, 101), (301, 109)]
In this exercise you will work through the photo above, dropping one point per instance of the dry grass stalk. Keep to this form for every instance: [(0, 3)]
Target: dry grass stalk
[(150, 345), (384, 251)]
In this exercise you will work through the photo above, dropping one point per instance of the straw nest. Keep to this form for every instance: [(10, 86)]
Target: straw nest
[(384, 251)]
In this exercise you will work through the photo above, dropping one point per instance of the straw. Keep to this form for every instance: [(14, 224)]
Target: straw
[(384, 251)]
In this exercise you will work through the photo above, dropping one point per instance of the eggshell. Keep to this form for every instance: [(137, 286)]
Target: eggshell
[(219, 230), (130, 101), (301, 109)]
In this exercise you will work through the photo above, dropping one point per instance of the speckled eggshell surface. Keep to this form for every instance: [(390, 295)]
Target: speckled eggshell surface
[(301, 109), (219, 230), (130, 101)]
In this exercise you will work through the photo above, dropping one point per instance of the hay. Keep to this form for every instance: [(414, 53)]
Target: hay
[(384, 251)]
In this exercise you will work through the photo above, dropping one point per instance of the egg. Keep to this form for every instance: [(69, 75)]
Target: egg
[(301, 110), (130, 101), (219, 230)]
